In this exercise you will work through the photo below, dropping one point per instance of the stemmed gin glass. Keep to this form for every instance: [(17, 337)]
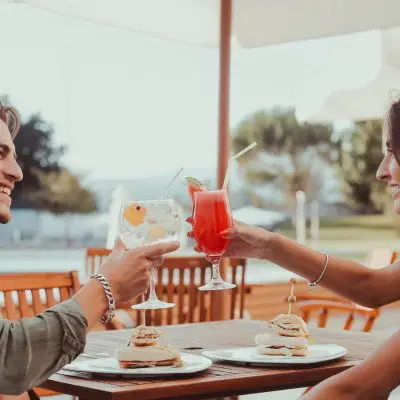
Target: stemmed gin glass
[(148, 222)]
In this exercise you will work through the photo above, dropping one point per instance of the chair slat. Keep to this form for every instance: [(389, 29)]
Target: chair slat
[(140, 315), (23, 304), (11, 310), (234, 293), (170, 294), (37, 302), (192, 295), (349, 322), (148, 314), (159, 283), (323, 317), (202, 297), (242, 290), (51, 301), (64, 294), (181, 299), (369, 324)]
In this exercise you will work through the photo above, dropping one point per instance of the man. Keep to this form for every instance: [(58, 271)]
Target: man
[(34, 348)]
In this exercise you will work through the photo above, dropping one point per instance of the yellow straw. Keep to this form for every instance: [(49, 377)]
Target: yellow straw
[(228, 170)]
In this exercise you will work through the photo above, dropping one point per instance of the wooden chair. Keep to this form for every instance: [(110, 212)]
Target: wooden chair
[(29, 294), (95, 256), (177, 281), (324, 308)]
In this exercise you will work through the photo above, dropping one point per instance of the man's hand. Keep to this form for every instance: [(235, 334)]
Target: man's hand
[(128, 270)]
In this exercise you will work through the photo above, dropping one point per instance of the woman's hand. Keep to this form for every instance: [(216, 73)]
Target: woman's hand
[(245, 241), (128, 270)]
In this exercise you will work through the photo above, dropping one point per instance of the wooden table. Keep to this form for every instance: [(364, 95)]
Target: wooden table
[(221, 379)]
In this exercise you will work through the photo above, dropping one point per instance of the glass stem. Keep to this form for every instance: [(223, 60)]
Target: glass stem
[(152, 293), (215, 274)]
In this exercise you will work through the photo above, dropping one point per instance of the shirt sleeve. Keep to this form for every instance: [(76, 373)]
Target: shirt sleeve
[(32, 349)]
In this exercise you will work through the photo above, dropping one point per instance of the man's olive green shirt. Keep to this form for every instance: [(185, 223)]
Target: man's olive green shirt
[(32, 349)]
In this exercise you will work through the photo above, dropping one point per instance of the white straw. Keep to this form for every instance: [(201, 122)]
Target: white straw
[(166, 189), (228, 170)]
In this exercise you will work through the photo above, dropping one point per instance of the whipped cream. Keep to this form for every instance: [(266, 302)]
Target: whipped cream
[(145, 335), (285, 335)]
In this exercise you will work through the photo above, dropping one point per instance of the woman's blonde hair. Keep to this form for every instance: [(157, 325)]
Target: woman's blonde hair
[(11, 117)]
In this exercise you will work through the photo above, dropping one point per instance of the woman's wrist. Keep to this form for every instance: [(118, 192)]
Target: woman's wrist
[(272, 245)]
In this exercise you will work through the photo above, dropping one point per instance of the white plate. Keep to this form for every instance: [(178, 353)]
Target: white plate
[(317, 353), (110, 367)]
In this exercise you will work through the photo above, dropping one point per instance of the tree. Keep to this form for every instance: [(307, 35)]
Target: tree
[(292, 153), (359, 160), (62, 193), (35, 151)]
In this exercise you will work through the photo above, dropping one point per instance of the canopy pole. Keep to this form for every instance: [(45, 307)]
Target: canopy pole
[(219, 303), (224, 86)]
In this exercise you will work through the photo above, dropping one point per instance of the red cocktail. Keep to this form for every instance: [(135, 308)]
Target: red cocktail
[(211, 216)]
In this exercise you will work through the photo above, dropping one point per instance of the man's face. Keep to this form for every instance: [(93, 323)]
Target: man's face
[(10, 172)]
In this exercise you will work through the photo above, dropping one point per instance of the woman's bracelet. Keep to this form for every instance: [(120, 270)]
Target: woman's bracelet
[(107, 317), (313, 285)]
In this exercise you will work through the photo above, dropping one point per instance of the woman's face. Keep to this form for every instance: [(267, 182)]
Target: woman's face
[(389, 171)]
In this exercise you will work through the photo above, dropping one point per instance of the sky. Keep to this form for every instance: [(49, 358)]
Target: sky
[(132, 106)]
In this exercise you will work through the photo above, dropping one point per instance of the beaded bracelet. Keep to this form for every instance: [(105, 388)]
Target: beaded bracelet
[(107, 317)]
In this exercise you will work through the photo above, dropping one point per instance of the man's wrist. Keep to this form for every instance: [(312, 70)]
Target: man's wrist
[(108, 294), (98, 293)]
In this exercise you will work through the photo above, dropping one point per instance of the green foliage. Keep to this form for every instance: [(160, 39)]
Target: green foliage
[(36, 151), (279, 134), (358, 163), (61, 192)]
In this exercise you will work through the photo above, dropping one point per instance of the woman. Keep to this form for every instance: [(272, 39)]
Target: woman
[(34, 348), (379, 374)]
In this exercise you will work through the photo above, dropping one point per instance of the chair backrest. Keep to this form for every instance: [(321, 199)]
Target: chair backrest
[(178, 280), (94, 257), (28, 294), (325, 308), (380, 258)]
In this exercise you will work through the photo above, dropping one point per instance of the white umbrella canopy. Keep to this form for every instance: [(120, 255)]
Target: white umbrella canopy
[(371, 100), (254, 22)]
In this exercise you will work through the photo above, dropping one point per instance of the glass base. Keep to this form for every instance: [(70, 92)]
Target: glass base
[(217, 285), (152, 304)]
